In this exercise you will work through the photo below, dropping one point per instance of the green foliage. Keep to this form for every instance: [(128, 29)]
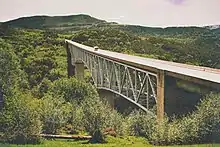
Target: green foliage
[(72, 89), (10, 73), (98, 116), (199, 127), (140, 124), (55, 113), (20, 119), (77, 117)]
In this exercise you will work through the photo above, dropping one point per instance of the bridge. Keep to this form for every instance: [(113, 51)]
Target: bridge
[(137, 79)]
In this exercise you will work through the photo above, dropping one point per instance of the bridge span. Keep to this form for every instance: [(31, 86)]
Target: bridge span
[(137, 79)]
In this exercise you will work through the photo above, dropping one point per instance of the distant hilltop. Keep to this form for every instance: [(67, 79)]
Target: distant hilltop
[(40, 22)]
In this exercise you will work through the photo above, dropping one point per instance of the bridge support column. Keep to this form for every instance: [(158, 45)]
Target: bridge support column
[(160, 95), (70, 67), (79, 70)]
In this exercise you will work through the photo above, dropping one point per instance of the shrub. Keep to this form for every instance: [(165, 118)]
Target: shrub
[(73, 89), (198, 127), (208, 116), (140, 123), (55, 113), (77, 118), (99, 116), (20, 119)]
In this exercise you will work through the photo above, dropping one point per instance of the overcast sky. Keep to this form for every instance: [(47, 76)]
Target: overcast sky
[(142, 12)]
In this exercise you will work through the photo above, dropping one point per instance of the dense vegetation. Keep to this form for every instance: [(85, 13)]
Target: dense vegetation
[(39, 98)]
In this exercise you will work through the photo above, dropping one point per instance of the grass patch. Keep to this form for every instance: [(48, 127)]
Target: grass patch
[(112, 142)]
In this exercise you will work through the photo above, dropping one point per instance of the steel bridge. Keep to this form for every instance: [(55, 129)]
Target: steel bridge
[(139, 80)]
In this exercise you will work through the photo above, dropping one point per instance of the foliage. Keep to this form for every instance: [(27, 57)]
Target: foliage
[(73, 89), (98, 116), (10, 73), (20, 119), (140, 124), (198, 127), (55, 113)]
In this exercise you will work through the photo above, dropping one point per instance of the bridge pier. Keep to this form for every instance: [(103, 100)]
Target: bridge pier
[(160, 95), (79, 70)]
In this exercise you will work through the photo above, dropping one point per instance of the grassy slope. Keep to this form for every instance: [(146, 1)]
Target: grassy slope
[(112, 142)]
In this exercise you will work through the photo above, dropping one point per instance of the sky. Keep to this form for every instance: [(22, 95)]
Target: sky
[(157, 13)]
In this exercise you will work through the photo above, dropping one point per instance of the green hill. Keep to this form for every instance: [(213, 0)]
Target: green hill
[(192, 45), (40, 22)]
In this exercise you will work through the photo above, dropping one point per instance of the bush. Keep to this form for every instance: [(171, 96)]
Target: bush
[(198, 127), (140, 123), (208, 116), (73, 89), (77, 118), (98, 116), (20, 120), (55, 113)]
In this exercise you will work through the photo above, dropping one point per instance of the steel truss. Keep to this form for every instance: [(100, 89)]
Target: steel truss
[(134, 84)]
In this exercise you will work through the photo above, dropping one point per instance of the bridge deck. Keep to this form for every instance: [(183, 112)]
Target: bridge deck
[(204, 73)]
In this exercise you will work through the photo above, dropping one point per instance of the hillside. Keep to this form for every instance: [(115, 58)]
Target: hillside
[(40, 22), (191, 45)]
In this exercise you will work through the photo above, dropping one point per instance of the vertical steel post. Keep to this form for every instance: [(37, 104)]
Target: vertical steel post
[(160, 95), (70, 67)]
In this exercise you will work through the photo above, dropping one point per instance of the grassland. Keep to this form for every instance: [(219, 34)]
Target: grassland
[(112, 142)]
